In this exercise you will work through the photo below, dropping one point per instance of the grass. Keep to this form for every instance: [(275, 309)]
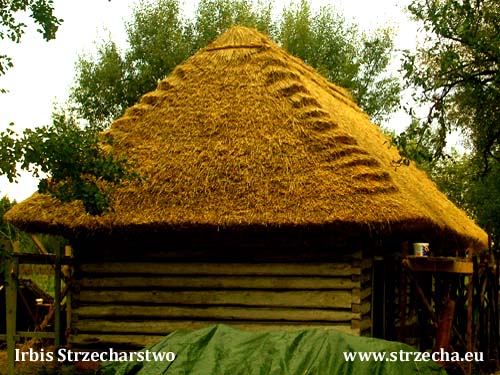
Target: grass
[(41, 274)]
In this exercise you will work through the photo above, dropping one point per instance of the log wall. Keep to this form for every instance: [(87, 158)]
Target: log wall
[(133, 304)]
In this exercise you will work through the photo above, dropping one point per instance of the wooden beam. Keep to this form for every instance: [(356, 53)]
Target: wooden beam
[(253, 269), (166, 326), (27, 258), (311, 299), (359, 295), (206, 313), (428, 308), (445, 323), (441, 264), (37, 335), (39, 244), (11, 278), (141, 340), (94, 340), (361, 324), (50, 314), (218, 282), (363, 308), (403, 297), (57, 298), (470, 293)]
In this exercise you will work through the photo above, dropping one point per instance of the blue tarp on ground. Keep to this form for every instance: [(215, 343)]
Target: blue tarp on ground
[(223, 350)]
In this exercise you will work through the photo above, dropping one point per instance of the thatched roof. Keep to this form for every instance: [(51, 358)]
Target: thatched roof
[(244, 134)]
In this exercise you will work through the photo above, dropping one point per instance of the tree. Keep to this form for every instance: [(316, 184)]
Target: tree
[(7, 231), (67, 155), (41, 11), (343, 55), (456, 73), (109, 76), (9, 234), (68, 158), (213, 17), (113, 81), (479, 195), (324, 40)]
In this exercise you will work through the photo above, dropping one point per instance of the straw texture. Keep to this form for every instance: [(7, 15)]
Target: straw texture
[(244, 134)]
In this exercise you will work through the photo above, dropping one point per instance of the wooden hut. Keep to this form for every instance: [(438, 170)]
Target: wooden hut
[(266, 196)]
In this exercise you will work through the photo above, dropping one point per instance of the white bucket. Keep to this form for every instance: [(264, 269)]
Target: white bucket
[(421, 249)]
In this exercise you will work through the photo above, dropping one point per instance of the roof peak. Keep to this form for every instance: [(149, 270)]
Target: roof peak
[(240, 37), (243, 134)]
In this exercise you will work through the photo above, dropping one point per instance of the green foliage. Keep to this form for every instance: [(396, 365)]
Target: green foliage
[(478, 194), (112, 81), (413, 145), (7, 231), (106, 75), (213, 17), (107, 84), (66, 156), (69, 160), (41, 11), (9, 234), (457, 73), (10, 152), (344, 55), (147, 38)]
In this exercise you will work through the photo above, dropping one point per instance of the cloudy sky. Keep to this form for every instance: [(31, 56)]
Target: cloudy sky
[(43, 71)]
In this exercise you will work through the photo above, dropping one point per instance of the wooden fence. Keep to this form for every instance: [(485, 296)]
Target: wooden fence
[(13, 259)]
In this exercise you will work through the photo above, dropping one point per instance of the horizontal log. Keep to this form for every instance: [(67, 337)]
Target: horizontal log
[(93, 340), (218, 282), (359, 295), (219, 313), (363, 308), (440, 264), (310, 299), (167, 326), (366, 277), (24, 334), (250, 269), (364, 264), (29, 258), (37, 335), (361, 324), (115, 341)]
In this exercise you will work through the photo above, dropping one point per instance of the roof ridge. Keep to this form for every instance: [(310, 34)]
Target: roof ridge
[(243, 137)]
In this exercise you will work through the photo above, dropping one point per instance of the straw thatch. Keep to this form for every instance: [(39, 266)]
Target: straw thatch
[(243, 134)]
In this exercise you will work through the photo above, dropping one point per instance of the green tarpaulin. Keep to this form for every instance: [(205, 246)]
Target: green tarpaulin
[(223, 350)]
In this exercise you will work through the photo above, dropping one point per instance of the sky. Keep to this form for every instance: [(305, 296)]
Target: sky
[(44, 71)]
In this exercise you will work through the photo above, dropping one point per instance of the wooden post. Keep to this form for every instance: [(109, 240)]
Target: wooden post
[(69, 274), (402, 294), (57, 299), (444, 326), (11, 278), (470, 296), (470, 290)]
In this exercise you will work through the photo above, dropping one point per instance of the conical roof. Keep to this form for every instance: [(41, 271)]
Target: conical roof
[(244, 134)]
